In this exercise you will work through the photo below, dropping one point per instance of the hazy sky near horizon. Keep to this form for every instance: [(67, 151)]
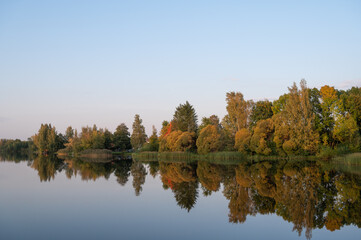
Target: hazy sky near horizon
[(83, 62)]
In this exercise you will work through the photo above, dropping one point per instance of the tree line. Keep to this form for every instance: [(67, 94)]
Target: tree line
[(304, 121)]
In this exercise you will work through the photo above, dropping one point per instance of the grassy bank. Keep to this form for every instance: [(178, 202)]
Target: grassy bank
[(217, 157), (96, 153)]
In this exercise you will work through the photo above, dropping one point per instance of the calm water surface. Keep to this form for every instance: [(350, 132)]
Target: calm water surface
[(48, 198)]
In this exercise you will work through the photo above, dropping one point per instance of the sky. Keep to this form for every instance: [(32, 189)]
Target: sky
[(81, 63)]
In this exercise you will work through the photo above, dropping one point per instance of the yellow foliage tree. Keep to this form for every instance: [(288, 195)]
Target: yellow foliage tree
[(261, 138), (242, 140), (208, 140), (295, 126)]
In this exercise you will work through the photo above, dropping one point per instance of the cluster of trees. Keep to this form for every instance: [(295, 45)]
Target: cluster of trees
[(97, 138), (48, 140), (301, 122), (10, 146)]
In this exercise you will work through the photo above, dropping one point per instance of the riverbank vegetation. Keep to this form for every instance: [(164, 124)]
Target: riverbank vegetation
[(321, 122)]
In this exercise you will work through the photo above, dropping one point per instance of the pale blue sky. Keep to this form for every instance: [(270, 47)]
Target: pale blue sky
[(83, 62)]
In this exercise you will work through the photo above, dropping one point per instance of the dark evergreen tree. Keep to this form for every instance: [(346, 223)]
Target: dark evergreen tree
[(185, 118), (122, 138)]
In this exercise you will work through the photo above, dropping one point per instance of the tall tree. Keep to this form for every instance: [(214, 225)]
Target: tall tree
[(153, 140), (331, 108), (352, 104), (295, 126), (242, 140), (279, 104), (261, 141), (346, 132), (69, 133), (47, 140), (139, 173), (212, 120), (238, 110), (138, 137), (261, 110), (185, 118), (122, 138)]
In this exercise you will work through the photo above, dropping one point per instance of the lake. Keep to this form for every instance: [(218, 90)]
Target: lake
[(49, 198)]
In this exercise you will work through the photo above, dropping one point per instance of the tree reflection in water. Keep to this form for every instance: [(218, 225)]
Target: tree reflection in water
[(306, 193)]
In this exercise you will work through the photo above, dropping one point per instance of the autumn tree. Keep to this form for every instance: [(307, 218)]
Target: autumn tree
[(331, 109), (92, 138), (47, 140), (180, 133), (228, 133), (212, 120), (69, 133), (242, 140), (178, 141), (165, 127), (98, 140), (295, 125), (279, 104), (138, 137), (261, 140), (209, 139), (261, 110), (238, 110), (74, 144)]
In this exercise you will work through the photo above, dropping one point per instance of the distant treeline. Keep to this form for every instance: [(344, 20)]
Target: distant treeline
[(304, 121), (16, 146)]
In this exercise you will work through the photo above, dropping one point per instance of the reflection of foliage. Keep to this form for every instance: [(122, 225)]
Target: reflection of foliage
[(177, 172), (90, 170), (47, 166), (209, 175), (299, 191), (186, 194), (296, 190), (153, 168), (15, 157), (181, 178), (122, 171), (139, 173), (240, 203)]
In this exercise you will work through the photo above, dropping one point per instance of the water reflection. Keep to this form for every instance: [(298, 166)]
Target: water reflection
[(308, 194)]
